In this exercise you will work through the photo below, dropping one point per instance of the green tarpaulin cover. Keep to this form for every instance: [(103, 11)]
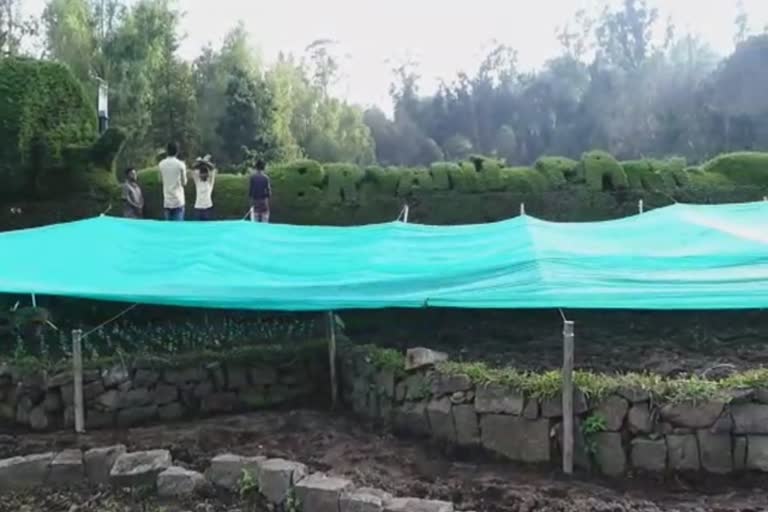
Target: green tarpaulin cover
[(678, 257)]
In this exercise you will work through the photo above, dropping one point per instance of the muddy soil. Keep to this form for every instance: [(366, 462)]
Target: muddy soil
[(370, 457)]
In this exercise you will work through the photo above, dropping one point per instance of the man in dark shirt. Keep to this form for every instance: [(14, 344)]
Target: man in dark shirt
[(133, 199), (259, 193)]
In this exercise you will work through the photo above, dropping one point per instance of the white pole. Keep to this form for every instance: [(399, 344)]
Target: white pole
[(522, 208), (34, 301), (568, 397), (77, 370), (406, 209), (332, 358), (640, 206)]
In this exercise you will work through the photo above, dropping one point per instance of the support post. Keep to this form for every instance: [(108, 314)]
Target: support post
[(406, 210), (522, 209), (568, 397), (640, 206), (34, 300), (77, 372), (332, 359)]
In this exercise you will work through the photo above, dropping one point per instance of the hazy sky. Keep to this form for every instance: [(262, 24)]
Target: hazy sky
[(443, 35)]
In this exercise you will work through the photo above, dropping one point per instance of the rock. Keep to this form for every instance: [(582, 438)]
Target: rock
[(516, 438), (363, 500), (139, 468), (24, 472), (417, 505), (613, 410), (447, 384), (321, 493), (203, 390), (165, 394), (134, 398), (466, 424), (237, 378), (411, 418), (609, 453), (136, 416), (553, 407), (723, 425), (581, 456), (739, 453), (109, 400), (23, 408), (688, 415), (184, 376), (170, 412), (115, 376), (401, 389), (66, 469), (420, 357), (757, 453), (639, 419), (385, 383), (177, 482), (99, 462), (634, 395), (60, 379), (93, 419), (683, 453), (38, 419), (263, 376), (531, 410), (496, 399), (416, 387), (53, 402), (278, 476), (716, 452), (91, 390), (750, 419), (220, 402), (441, 419), (761, 395), (227, 470), (649, 455), (145, 378)]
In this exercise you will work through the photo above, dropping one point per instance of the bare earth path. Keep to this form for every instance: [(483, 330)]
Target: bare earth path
[(342, 446)]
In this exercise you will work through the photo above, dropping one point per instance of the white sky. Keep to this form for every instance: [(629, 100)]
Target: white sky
[(443, 35)]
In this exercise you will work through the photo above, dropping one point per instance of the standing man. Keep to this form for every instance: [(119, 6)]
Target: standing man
[(204, 176), (133, 199), (174, 174), (259, 192)]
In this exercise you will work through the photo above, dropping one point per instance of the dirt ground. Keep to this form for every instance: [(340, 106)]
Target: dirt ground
[(343, 446)]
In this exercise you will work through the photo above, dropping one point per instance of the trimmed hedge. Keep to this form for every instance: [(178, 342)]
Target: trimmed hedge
[(43, 109)]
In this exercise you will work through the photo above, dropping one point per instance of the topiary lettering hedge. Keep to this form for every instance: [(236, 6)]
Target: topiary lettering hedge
[(597, 187)]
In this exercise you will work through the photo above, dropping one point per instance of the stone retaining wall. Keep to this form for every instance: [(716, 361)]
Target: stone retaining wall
[(286, 485), (621, 433), (141, 392)]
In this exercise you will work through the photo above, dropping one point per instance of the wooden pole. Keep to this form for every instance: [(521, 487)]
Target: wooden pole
[(332, 358), (568, 397), (77, 372)]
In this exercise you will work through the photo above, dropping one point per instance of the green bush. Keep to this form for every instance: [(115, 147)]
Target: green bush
[(412, 181), (43, 109), (441, 174), (343, 180), (602, 172), (745, 168), (557, 169), (642, 176)]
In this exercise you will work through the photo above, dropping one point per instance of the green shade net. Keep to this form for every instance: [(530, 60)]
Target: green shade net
[(679, 257)]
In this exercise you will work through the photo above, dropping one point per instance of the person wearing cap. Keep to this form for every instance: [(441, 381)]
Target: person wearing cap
[(204, 176)]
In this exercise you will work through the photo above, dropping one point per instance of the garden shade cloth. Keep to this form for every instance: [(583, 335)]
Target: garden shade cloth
[(678, 257)]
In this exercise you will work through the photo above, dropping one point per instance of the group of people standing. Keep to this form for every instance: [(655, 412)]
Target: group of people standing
[(174, 176)]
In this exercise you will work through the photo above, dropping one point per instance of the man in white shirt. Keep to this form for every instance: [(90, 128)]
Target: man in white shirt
[(204, 176), (174, 174)]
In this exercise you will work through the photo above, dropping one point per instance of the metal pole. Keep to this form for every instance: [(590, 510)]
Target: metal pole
[(640, 206), (522, 208), (406, 209), (34, 301), (568, 397), (332, 358), (77, 371)]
